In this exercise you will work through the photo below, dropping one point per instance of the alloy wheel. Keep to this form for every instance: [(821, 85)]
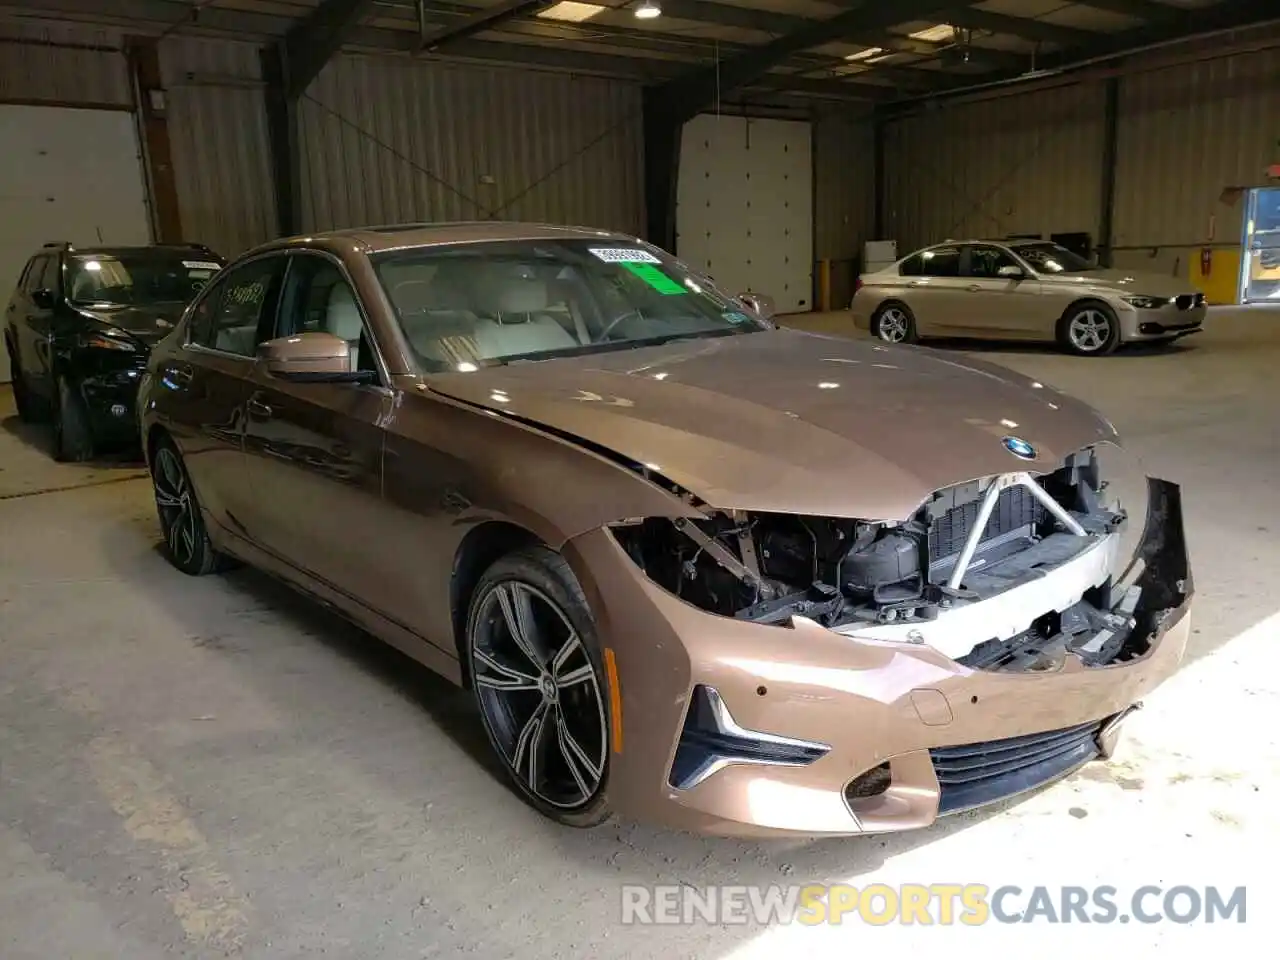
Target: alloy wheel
[(894, 325), (540, 695), (1089, 330), (178, 517)]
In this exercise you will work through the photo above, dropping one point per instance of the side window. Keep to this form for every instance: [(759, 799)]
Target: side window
[(985, 262), (52, 279), (940, 262), (34, 277), (318, 299), (912, 266), (231, 317)]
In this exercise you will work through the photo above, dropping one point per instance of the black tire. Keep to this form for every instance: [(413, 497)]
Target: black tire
[(1089, 329), (72, 436), (510, 681), (186, 539), (28, 406), (893, 322)]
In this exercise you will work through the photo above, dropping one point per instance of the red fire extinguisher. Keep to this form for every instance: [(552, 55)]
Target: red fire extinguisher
[(1206, 261)]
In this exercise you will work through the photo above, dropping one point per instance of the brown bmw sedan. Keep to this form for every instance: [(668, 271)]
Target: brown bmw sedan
[(694, 568)]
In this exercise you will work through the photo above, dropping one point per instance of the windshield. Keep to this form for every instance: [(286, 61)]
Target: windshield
[(1051, 258), (137, 278), (477, 305)]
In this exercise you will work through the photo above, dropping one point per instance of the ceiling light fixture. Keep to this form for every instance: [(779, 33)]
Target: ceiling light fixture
[(940, 33), (647, 10), (865, 54), (570, 11)]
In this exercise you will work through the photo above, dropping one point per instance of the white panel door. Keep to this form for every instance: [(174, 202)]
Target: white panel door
[(66, 174), (744, 206)]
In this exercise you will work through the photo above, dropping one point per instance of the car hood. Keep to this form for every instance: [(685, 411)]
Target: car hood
[(147, 323), (784, 421), (1143, 284)]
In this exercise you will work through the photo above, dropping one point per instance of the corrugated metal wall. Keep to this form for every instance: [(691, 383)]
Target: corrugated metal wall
[(844, 195), (391, 140), (1017, 164), (221, 152), (53, 63), (1188, 136)]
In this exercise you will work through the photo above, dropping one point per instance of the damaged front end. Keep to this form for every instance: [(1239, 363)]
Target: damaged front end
[(1009, 573)]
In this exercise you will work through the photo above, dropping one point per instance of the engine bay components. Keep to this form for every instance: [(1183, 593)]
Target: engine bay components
[(966, 543)]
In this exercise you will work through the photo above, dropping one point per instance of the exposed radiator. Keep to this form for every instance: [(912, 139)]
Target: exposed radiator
[(1016, 507)]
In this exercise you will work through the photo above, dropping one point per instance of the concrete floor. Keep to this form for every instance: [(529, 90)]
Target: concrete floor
[(211, 767)]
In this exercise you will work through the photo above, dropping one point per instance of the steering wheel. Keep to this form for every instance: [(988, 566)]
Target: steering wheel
[(604, 334)]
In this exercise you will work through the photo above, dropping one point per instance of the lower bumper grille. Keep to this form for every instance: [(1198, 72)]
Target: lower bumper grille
[(980, 773), (1017, 507)]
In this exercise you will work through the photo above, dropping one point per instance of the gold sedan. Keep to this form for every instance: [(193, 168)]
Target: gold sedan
[(1023, 290)]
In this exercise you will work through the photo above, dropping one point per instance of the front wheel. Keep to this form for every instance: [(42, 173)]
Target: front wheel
[(894, 323), (1089, 330), (537, 678), (72, 436)]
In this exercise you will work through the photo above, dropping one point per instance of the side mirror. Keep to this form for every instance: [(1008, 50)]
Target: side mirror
[(311, 357), (1011, 272), (42, 298), (763, 306)]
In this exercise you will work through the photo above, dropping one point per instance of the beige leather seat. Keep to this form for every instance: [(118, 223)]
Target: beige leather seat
[(520, 323), (342, 319)]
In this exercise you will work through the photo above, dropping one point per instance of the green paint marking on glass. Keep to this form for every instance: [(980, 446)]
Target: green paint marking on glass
[(655, 278)]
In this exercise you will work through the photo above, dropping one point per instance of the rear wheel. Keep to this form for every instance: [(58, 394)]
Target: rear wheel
[(72, 437), (186, 540), (538, 681), (1089, 329), (894, 323), (28, 406)]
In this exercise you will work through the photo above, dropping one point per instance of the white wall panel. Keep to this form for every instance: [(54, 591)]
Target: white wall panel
[(744, 210), (394, 140)]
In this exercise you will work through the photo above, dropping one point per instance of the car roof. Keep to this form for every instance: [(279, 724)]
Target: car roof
[(109, 251), (378, 239)]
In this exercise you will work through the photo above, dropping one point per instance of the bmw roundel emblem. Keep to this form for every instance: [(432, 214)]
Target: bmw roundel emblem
[(1019, 448)]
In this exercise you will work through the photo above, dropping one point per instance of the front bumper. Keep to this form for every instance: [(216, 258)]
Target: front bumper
[(110, 391), (899, 715), (1168, 321)]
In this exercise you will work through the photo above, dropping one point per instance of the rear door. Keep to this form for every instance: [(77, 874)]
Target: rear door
[(33, 323), (1004, 306), (933, 288), (314, 450), (207, 381)]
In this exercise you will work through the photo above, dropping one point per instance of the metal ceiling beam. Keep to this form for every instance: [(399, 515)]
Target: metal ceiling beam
[(1149, 10), (1024, 27), (1182, 25), (312, 41), (486, 18), (686, 96)]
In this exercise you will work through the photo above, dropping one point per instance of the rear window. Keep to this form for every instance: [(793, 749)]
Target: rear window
[(935, 262)]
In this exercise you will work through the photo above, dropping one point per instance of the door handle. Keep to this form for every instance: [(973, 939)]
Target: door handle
[(916, 283), (258, 410), (180, 375), (974, 288)]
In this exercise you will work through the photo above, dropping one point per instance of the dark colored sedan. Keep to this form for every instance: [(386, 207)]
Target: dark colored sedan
[(80, 326)]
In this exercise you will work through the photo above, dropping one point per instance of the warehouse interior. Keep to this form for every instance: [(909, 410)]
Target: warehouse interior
[(211, 767)]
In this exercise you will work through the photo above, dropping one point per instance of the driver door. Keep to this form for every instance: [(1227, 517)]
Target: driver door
[(1003, 305), (314, 450)]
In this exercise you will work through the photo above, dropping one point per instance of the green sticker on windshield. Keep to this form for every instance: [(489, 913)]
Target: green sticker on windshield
[(654, 278)]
